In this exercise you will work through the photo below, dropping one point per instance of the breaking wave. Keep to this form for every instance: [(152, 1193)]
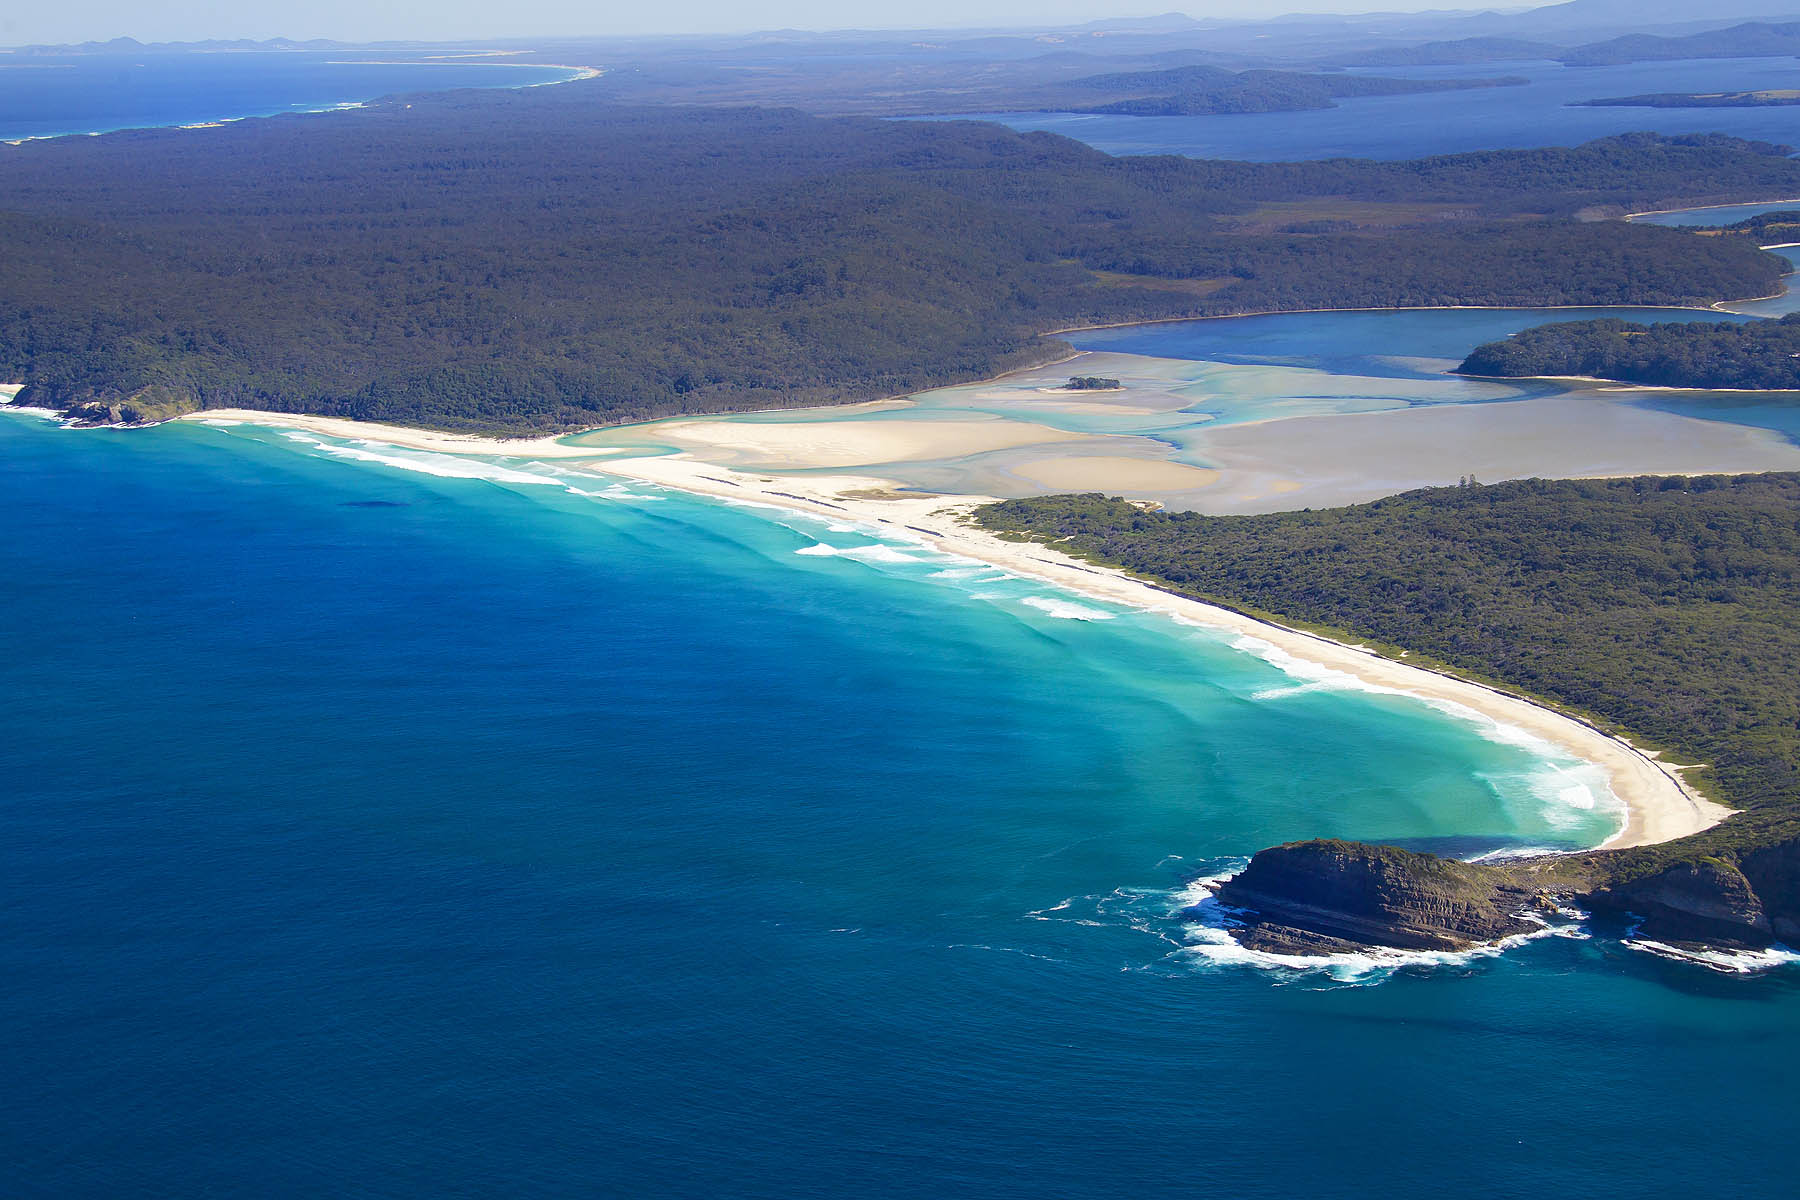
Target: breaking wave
[(1065, 610)]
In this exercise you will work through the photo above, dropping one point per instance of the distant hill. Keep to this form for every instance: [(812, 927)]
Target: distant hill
[(1583, 15), (1196, 90), (1456, 53), (1753, 40)]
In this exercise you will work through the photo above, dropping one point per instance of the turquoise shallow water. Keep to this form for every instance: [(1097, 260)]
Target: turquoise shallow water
[(375, 831)]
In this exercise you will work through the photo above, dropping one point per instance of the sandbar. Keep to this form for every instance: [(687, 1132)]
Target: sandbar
[(407, 438), (1349, 458), (1101, 472), (827, 444)]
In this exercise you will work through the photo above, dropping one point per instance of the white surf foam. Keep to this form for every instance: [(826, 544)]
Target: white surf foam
[(1730, 962), (445, 466), (1210, 943), (1065, 610), (872, 554), (1564, 789)]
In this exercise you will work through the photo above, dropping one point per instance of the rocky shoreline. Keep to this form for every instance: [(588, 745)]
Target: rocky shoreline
[(1331, 897)]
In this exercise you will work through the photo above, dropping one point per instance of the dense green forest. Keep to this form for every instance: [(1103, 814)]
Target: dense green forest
[(1189, 91), (1703, 354), (1668, 608), (541, 259)]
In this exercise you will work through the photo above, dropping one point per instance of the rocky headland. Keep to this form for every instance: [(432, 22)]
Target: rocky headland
[(1330, 896)]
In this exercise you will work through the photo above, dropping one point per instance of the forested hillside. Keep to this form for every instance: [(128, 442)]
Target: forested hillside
[(543, 260), (1704, 354), (1665, 607), (1188, 91)]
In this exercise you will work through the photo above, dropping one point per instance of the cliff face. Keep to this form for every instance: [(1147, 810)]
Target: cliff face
[(1707, 902), (1323, 897), (1742, 903)]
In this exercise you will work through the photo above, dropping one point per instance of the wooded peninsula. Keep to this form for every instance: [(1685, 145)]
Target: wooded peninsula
[(1722, 355), (1666, 607), (544, 260)]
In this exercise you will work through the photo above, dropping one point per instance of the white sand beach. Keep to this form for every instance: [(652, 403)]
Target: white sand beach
[(831, 443), (1304, 460), (1659, 805), (400, 435)]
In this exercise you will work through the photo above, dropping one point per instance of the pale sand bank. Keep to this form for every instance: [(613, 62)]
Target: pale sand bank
[(828, 443), (1349, 458), (1659, 806), (1153, 440), (409, 439), (1099, 472)]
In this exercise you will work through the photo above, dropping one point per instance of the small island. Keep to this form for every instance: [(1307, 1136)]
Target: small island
[(1774, 98), (1202, 90), (1730, 355), (1092, 383)]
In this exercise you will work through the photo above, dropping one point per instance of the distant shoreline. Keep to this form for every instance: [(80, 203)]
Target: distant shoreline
[(216, 122)]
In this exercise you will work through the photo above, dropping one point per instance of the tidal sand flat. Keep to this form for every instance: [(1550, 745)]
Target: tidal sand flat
[(1099, 472), (854, 441), (1347, 459)]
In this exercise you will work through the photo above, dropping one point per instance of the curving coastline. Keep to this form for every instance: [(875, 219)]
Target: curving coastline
[(1659, 806)]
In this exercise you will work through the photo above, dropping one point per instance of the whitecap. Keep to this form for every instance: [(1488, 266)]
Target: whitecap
[(442, 465), (972, 573), (876, 553), (1065, 610)]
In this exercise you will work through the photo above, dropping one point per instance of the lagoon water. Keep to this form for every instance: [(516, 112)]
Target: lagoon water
[(1543, 112), (381, 824)]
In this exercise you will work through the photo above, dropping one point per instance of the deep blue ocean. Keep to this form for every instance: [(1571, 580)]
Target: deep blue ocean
[(381, 832), (380, 824)]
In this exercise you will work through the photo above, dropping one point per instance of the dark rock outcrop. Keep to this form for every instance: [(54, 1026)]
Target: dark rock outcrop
[(1774, 872), (1324, 897), (1707, 901)]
